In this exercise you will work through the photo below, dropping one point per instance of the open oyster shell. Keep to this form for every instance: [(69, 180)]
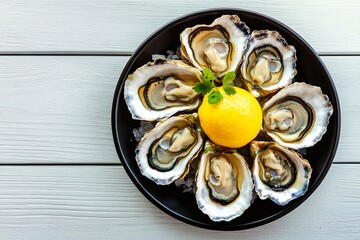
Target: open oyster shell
[(219, 46), (223, 183), (279, 173), (160, 89), (269, 63), (297, 116), (165, 152)]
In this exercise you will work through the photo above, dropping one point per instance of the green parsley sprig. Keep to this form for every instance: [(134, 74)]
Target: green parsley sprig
[(208, 85)]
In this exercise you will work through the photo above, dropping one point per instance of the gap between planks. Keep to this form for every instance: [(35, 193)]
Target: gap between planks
[(127, 54), (108, 164)]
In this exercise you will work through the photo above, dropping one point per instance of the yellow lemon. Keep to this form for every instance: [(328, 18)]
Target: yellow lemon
[(234, 121)]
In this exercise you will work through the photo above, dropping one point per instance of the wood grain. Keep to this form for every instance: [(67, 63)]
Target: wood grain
[(57, 109), (120, 26), (347, 83), (94, 202)]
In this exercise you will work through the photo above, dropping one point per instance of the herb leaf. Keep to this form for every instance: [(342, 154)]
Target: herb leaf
[(202, 88), (228, 78), (229, 90), (208, 75), (214, 97)]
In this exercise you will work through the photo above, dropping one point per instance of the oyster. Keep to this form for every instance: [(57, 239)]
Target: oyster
[(160, 89), (297, 116), (269, 63), (223, 183), (219, 46), (279, 173), (165, 152)]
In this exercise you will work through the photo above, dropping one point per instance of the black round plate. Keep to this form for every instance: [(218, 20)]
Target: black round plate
[(183, 206)]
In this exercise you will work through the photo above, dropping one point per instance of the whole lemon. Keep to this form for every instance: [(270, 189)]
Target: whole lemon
[(234, 121)]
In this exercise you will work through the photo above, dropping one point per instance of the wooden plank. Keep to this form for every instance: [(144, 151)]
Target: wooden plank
[(120, 26), (347, 82), (97, 202), (57, 109)]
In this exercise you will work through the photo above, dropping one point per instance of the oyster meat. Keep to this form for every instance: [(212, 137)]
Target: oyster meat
[(160, 89), (223, 183), (219, 46), (279, 173), (165, 152), (297, 116), (269, 63)]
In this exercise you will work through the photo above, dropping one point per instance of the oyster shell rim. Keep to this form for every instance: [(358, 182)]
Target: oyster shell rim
[(168, 177), (261, 91), (242, 201), (309, 139), (266, 192), (131, 90), (238, 54)]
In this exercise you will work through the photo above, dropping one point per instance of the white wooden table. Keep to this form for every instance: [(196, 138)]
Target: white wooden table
[(60, 176)]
